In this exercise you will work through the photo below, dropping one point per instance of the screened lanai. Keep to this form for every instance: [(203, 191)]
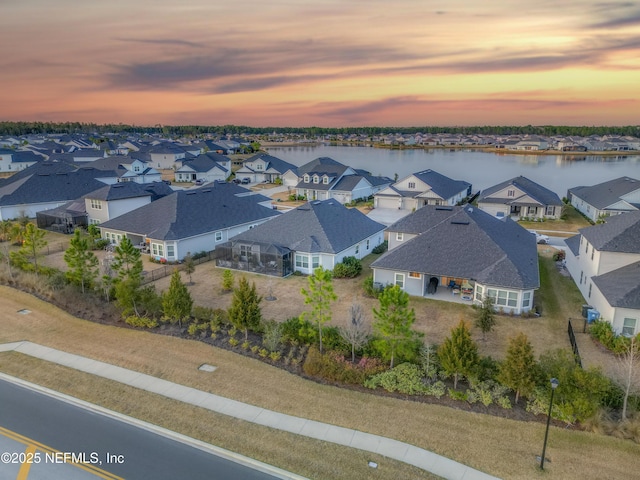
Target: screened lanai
[(257, 257)]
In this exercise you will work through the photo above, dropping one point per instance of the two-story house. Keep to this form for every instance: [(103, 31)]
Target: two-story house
[(604, 262)]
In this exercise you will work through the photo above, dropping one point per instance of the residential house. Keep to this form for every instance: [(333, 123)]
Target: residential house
[(267, 168), (460, 253), (604, 261), (316, 234), (191, 220), (520, 198), (207, 167), (44, 186), (608, 198), (422, 188), (16, 160), (126, 169), (88, 154), (165, 155), (325, 178), (114, 200)]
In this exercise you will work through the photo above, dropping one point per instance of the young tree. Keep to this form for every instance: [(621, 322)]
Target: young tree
[(627, 373), (244, 313), (177, 301), (127, 263), (5, 230), (319, 295), (355, 330), (189, 266), (32, 243), (458, 354), (393, 321), (518, 370), (82, 263), (94, 235), (486, 318), (227, 280)]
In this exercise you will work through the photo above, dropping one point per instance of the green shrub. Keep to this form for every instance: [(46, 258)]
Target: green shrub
[(335, 367), (381, 248), (275, 356), (436, 389), (371, 290), (457, 394), (199, 255), (332, 340), (100, 244), (405, 378), (298, 330), (350, 267), (233, 341), (141, 322), (602, 331)]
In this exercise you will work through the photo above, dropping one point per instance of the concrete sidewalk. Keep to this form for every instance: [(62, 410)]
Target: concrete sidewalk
[(388, 447)]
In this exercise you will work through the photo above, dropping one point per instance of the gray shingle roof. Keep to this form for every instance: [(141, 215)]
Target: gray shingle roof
[(187, 213), (605, 194), (316, 227), (619, 233), (534, 190), (441, 185), (119, 191), (322, 165), (204, 163), (275, 163), (465, 242), (621, 287)]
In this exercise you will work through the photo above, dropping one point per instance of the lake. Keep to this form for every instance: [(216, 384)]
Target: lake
[(482, 169)]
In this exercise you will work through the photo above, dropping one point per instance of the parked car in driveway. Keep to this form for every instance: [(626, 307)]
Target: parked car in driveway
[(540, 238), (199, 182), (246, 180)]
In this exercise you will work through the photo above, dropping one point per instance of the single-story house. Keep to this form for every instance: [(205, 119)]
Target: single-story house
[(520, 198), (16, 160), (422, 188), (316, 234), (608, 198), (267, 168), (208, 167), (604, 262), (191, 220), (464, 252)]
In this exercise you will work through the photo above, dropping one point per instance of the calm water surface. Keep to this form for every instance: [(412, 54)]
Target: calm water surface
[(481, 169)]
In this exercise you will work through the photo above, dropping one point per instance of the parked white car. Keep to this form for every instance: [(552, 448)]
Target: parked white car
[(540, 238)]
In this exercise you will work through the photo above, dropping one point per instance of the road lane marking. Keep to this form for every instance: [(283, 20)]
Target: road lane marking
[(23, 473), (33, 446)]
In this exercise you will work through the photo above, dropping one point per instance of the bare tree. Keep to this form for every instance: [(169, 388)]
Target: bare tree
[(627, 373), (355, 330)]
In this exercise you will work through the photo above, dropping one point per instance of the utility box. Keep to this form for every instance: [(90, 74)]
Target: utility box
[(592, 315), (585, 310)]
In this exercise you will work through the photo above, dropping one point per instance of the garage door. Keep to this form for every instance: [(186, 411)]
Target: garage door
[(388, 202)]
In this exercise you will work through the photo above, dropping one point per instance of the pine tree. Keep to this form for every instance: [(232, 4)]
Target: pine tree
[(32, 242), (319, 295), (393, 321), (127, 264), (177, 301), (486, 318), (245, 313), (82, 263), (458, 354), (227, 280), (518, 370)]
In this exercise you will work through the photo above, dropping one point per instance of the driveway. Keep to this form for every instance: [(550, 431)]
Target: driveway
[(387, 216)]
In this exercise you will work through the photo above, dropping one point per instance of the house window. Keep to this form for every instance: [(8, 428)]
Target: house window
[(136, 168), (512, 299), (590, 285), (581, 274), (170, 251), (399, 236), (629, 327), (399, 280), (94, 221), (479, 293), (593, 251), (316, 179), (306, 179), (315, 261), (511, 193), (367, 244), (325, 180), (493, 293), (96, 204), (533, 210), (259, 166), (586, 248), (412, 185), (218, 236), (502, 298), (526, 299), (302, 261), (551, 211), (414, 275), (357, 249), (157, 249)]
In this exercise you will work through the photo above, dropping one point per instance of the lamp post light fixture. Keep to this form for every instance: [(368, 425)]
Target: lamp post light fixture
[(554, 385)]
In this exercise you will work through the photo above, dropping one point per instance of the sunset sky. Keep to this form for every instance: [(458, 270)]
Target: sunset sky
[(325, 63)]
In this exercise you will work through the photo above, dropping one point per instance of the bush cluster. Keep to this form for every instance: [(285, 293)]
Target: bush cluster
[(349, 267), (381, 248), (603, 332), (335, 367)]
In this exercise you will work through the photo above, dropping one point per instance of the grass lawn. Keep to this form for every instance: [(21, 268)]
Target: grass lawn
[(505, 448), (571, 221)]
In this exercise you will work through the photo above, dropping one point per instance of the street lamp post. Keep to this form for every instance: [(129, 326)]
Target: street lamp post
[(554, 385)]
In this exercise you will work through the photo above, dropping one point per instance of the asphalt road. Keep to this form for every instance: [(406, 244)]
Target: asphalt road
[(32, 422)]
